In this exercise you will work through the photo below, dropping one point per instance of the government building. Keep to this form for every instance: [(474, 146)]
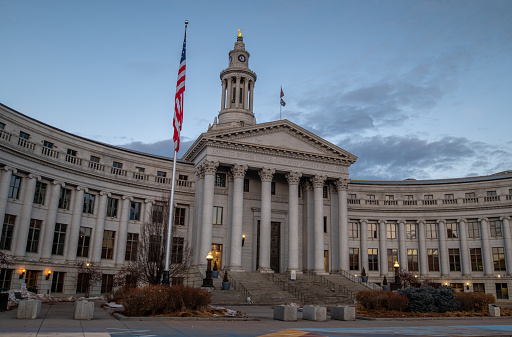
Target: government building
[(261, 197)]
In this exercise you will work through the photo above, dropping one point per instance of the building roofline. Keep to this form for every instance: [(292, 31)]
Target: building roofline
[(496, 176)]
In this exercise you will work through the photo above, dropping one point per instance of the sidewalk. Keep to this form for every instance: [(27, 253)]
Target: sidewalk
[(57, 320)]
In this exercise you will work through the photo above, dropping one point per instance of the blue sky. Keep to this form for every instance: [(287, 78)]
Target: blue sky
[(415, 89)]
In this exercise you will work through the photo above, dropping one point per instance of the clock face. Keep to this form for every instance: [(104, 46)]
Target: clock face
[(241, 58)]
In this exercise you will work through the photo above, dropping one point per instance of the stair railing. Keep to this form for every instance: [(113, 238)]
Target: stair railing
[(238, 286), (358, 279), (285, 285)]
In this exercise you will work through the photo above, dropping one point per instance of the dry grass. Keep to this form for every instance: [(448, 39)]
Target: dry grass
[(361, 311)]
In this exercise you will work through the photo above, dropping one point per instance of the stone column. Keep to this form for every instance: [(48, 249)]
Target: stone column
[(318, 189), (223, 97), (4, 190), (21, 234), (422, 251), (252, 96), (383, 248), (198, 200), (74, 230), (266, 176), (309, 237), (293, 221), (228, 220), (508, 243), (148, 210), (122, 232), (344, 259), (237, 92), (97, 243), (364, 244), (51, 216), (230, 92), (237, 218), (443, 250), (402, 249), (246, 93), (486, 249), (464, 250), (210, 167)]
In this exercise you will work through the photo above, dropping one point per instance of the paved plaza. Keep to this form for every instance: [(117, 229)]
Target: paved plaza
[(56, 320)]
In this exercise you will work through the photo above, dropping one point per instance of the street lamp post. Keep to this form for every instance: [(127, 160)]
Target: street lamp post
[(397, 275), (208, 280)]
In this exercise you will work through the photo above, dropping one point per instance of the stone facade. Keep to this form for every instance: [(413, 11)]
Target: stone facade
[(280, 196)]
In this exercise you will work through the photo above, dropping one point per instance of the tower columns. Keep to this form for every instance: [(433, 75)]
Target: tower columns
[(223, 96)]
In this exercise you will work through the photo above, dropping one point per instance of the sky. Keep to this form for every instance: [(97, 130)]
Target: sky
[(415, 89)]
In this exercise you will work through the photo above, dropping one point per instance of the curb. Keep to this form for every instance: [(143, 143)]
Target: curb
[(222, 319)]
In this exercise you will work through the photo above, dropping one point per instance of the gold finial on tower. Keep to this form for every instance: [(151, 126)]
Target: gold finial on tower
[(239, 33)]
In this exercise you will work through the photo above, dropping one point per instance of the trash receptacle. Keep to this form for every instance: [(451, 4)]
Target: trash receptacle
[(4, 299)]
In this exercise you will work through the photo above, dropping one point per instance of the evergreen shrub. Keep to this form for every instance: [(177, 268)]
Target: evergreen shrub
[(428, 299)]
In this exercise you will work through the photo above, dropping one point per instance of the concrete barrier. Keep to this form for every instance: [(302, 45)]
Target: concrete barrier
[(343, 313), (29, 309), (314, 313), (84, 310), (285, 313), (494, 310)]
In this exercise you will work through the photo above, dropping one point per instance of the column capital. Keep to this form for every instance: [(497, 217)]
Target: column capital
[(58, 182), (440, 221), (266, 174), (462, 220), (79, 188), (363, 221), (9, 168), (210, 167), (149, 201), (33, 175), (293, 178), (483, 219), (127, 197), (107, 193), (421, 221), (318, 181), (239, 171), (382, 221), (342, 184), (505, 218), (402, 221), (199, 171)]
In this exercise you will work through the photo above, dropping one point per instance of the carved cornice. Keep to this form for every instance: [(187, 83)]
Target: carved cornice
[(293, 178), (266, 174), (342, 184), (239, 171), (318, 181)]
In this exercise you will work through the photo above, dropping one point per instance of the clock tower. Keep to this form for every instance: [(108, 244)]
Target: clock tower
[(237, 88)]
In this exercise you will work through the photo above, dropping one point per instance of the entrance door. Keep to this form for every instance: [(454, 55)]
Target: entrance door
[(217, 255), (31, 278), (326, 260), (275, 241)]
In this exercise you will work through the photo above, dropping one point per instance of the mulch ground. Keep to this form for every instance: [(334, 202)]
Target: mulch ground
[(360, 311)]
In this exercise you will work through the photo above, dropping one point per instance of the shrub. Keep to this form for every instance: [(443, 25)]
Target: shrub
[(428, 299), (475, 301), (380, 299), (445, 299), (164, 300)]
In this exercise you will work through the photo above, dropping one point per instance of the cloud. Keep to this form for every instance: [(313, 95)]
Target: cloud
[(161, 148)]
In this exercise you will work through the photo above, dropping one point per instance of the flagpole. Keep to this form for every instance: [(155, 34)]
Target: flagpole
[(280, 106)]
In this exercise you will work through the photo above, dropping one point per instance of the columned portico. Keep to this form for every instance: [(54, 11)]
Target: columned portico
[(49, 226), (266, 175), (238, 172), (26, 215), (342, 186), (293, 221), (209, 167)]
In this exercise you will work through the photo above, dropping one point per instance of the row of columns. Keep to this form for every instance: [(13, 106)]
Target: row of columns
[(21, 229), (206, 172), (227, 92), (444, 263)]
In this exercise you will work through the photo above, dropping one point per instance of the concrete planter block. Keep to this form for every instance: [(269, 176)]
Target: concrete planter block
[(285, 313), (314, 313), (343, 313), (29, 309), (84, 310), (494, 310)]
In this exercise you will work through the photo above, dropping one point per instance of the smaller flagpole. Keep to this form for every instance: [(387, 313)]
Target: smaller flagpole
[(280, 106)]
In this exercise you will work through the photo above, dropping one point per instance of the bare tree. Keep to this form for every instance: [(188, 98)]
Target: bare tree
[(149, 264), (5, 260), (89, 274)]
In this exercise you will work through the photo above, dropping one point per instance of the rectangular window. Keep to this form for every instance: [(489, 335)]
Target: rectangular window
[(470, 195), (40, 193), (71, 156), (451, 230), (59, 238), (409, 197), (217, 215), (454, 257), (410, 229), (412, 259), (132, 243), (94, 163), (107, 283), (24, 135), (354, 258), (157, 214), (135, 208), (88, 203), (112, 206), (154, 251), (501, 291), (495, 227), (433, 259), (220, 179), (325, 224), (81, 282), (431, 231), (352, 196), (64, 198), (117, 165), (428, 197), (177, 250), (373, 259), (391, 231), (107, 247), (325, 192), (161, 174), (182, 177), (372, 231), (58, 282), (7, 232), (491, 193), (179, 216), (479, 287), (5, 278), (33, 235), (473, 229), (95, 159), (273, 188), (353, 230), (498, 256), (246, 185), (392, 258), (84, 241), (476, 259), (14, 187), (448, 196)]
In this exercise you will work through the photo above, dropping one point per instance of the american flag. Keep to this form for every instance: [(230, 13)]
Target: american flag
[(282, 101), (178, 98)]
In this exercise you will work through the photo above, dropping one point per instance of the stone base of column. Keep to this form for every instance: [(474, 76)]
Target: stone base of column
[(265, 270), (320, 272), (236, 269)]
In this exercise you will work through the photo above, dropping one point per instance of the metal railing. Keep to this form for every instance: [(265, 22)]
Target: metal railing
[(285, 285), (238, 286), (358, 279)]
